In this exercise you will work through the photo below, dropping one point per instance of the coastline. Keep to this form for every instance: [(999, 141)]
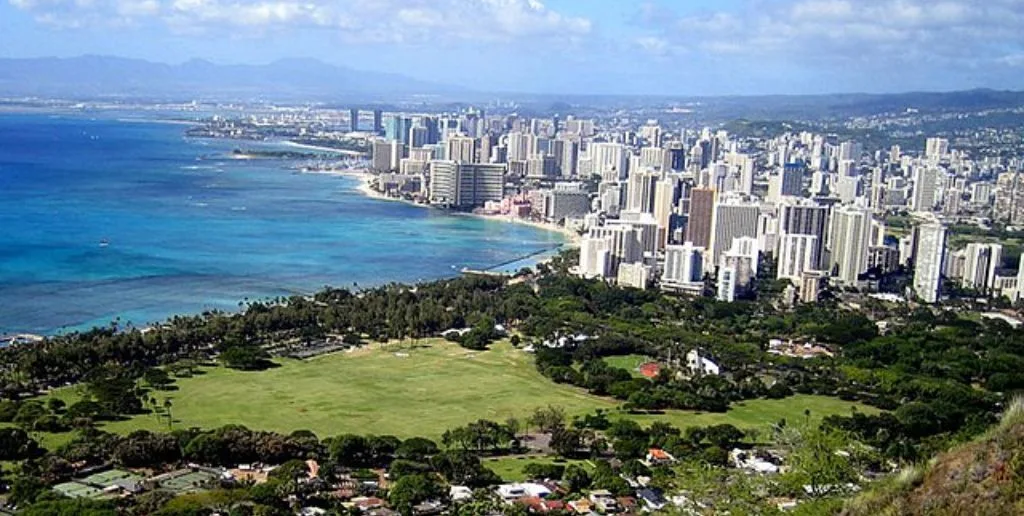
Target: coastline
[(297, 145), (365, 179)]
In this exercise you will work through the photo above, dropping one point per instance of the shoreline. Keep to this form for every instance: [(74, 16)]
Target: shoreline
[(297, 145), (365, 179)]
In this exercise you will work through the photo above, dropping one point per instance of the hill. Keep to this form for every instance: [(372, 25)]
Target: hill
[(985, 476), (289, 79)]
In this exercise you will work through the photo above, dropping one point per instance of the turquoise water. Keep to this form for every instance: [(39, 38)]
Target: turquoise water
[(189, 231)]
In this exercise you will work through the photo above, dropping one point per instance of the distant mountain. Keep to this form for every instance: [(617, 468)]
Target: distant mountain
[(290, 79)]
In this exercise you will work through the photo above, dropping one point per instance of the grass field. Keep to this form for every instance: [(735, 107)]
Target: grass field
[(630, 363), (406, 391), (510, 469)]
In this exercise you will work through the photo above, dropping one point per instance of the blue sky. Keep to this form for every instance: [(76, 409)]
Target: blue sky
[(562, 46)]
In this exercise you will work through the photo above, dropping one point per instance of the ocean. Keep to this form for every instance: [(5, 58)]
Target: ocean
[(103, 219)]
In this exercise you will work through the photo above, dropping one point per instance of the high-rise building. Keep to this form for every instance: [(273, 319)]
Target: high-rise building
[(733, 218), (797, 254), (461, 149), (743, 256), (805, 218), (929, 260), (378, 121), (982, 260), (465, 185), (1009, 206), (925, 179), (641, 190), (623, 245), (936, 148), (850, 239), (701, 216), (634, 275), (381, 155), (566, 200), (666, 195), (397, 127), (683, 264), (595, 257), (609, 160), (792, 180), (353, 120)]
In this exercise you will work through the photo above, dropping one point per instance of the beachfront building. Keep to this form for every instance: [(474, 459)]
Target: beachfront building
[(465, 185)]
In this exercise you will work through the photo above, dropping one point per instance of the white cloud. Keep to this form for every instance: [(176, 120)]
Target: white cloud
[(969, 32), (358, 20)]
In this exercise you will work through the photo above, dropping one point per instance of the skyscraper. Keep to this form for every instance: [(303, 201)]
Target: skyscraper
[(378, 121), (609, 160), (702, 210), (929, 260), (797, 254), (792, 179), (683, 264), (805, 218), (733, 218), (461, 149), (851, 238), (981, 264), (353, 120), (641, 190), (925, 179)]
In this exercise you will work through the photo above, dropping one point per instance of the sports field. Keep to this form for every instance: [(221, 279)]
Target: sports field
[(406, 391)]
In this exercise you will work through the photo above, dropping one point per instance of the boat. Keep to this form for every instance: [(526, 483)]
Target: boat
[(104, 242)]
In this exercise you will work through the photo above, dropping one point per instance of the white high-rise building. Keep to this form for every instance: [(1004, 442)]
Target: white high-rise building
[(595, 257), (609, 160), (797, 254), (732, 218), (929, 261), (461, 149), (743, 256), (683, 264), (465, 184), (936, 148), (850, 239), (664, 207), (980, 266), (641, 190), (925, 179), (623, 245)]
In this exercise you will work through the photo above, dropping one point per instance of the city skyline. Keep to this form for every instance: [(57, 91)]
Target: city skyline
[(745, 47)]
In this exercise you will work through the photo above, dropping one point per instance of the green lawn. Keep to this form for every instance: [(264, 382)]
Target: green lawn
[(510, 469), (407, 392), (630, 363)]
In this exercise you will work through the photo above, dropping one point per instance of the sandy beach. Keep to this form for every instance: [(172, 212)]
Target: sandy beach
[(297, 145), (366, 179)]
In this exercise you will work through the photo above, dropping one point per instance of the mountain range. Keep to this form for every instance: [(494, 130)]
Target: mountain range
[(290, 79)]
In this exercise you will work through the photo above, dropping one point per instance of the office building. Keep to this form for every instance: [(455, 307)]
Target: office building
[(641, 190), (683, 264), (925, 179), (378, 121)]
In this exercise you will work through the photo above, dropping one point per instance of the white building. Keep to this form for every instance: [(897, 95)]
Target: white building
[(929, 261), (726, 284), (981, 262), (609, 160), (850, 238), (636, 275), (797, 254)]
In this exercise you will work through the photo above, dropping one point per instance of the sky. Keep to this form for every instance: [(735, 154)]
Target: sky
[(657, 47)]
